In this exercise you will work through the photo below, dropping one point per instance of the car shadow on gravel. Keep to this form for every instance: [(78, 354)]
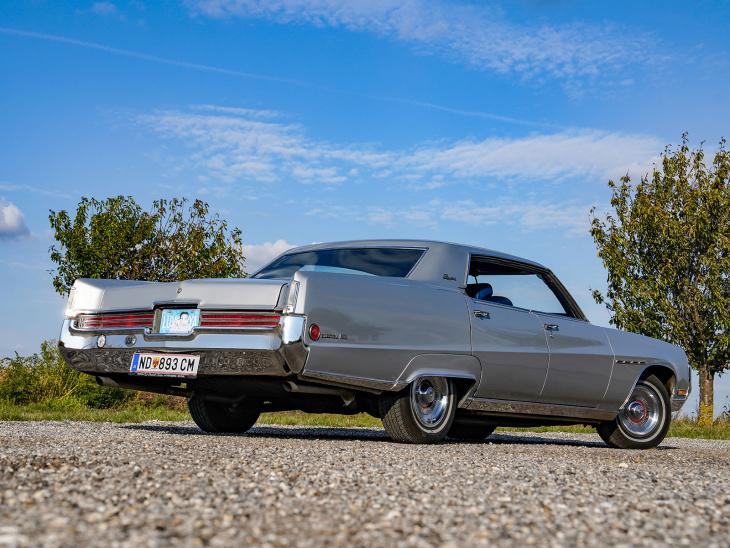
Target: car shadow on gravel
[(266, 431), (370, 434), (505, 438)]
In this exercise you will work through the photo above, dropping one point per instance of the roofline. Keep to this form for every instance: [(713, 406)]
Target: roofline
[(410, 243)]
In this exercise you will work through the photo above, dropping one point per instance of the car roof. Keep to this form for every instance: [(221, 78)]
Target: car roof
[(431, 245)]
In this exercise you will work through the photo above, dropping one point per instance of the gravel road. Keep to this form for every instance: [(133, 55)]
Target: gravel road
[(169, 484)]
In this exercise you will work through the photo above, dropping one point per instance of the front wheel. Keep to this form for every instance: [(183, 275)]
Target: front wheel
[(422, 413), (220, 417), (644, 421)]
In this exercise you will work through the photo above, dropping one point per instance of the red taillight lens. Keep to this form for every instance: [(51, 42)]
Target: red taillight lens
[(111, 321), (237, 319), (314, 332)]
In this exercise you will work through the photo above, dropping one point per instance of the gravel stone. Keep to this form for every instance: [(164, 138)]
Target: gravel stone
[(170, 484)]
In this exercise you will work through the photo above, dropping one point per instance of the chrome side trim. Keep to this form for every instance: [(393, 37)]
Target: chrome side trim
[(364, 382), (522, 408)]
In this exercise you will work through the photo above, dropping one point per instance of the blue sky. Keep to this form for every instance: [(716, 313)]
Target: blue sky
[(299, 121)]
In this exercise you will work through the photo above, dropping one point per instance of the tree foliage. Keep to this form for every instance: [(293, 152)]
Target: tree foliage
[(666, 248), (115, 238)]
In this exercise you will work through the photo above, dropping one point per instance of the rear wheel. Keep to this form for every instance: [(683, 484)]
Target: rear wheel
[(471, 431), (644, 420), (223, 417), (422, 413)]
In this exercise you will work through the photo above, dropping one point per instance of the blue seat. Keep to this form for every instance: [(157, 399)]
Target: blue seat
[(484, 292)]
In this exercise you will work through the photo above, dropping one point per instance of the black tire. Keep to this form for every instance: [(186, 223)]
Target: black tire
[(221, 417), (644, 421), (470, 431), (422, 413)]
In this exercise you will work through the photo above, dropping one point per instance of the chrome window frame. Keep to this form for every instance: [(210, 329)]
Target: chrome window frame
[(551, 281)]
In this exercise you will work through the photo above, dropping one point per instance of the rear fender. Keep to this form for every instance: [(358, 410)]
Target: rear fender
[(466, 371)]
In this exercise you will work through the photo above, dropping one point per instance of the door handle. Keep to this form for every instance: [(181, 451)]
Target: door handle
[(550, 327), (481, 314)]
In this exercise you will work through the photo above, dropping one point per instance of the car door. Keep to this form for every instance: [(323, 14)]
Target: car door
[(510, 344), (508, 340), (581, 361)]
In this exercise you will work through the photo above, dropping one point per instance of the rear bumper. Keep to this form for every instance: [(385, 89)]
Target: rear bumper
[(277, 352)]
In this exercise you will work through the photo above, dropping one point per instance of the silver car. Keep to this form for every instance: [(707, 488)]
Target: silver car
[(435, 339)]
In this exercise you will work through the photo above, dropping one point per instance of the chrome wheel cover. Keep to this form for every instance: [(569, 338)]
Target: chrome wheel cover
[(642, 415), (430, 401)]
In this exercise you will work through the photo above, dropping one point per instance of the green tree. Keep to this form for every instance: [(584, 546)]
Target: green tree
[(114, 238), (666, 248)]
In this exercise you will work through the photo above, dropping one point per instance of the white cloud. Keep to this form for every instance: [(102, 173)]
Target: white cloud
[(238, 145), (9, 187), (570, 218), (239, 111), (106, 9), (12, 222), (259, 255), (565, 154), (479, 35)]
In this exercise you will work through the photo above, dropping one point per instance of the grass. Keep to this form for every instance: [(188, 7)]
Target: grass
[(43, 412), (687, 428), (324, 419), (681, 428)]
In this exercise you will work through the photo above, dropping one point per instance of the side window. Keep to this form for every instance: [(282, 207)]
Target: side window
[(511, 286)]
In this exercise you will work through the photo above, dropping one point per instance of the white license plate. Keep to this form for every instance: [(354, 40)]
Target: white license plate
[(168, 365)]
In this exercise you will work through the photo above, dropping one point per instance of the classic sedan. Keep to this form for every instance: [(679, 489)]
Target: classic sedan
[(435, 339)]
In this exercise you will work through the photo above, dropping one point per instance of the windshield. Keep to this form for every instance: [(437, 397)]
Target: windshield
[(375, 261)]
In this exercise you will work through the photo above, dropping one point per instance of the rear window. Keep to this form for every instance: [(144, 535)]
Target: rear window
[(373, 261)]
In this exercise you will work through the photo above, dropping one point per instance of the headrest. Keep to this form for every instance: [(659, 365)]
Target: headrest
[(483, 290)]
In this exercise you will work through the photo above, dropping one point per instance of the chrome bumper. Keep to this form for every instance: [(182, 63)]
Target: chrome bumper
[(279, 351)]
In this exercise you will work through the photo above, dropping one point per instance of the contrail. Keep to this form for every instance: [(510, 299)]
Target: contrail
[(153, 58), (196, 66)]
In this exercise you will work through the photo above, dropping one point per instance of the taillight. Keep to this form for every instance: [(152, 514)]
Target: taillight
[(237, 319), (112, 321), (314, 332)]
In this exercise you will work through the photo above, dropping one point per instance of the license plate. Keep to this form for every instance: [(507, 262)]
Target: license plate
[(179, 320), (167, 365)]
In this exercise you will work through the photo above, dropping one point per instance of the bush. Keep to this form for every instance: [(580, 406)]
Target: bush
[(46, 379)]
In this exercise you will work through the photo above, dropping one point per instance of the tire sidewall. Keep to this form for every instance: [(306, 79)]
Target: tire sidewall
[(618, 436), (431, 435)]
